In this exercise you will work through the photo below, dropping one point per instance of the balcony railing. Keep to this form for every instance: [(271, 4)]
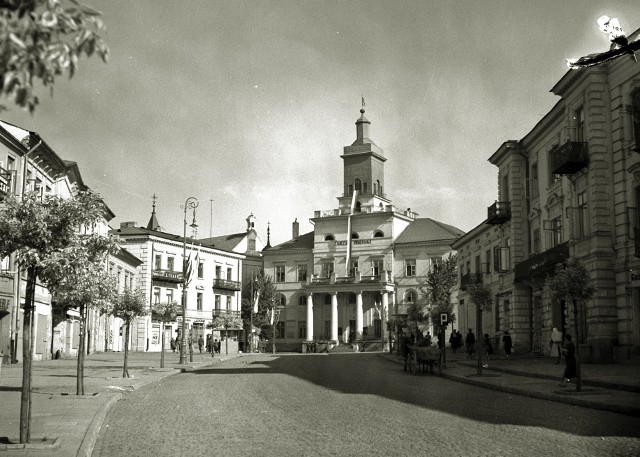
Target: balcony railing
[(499, 213), (469, 279), (5, 182), (569, 158), (167, 275), (223, 312), (219, 283), (539, 265)]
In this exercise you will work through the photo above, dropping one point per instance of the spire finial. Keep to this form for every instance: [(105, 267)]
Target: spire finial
[(268, 245), (362, 109), (153, 199)]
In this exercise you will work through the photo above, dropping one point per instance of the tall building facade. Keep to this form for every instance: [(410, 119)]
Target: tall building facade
[(569, 189), (364, 262)]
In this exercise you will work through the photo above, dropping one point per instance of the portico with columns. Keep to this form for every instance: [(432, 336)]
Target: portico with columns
[(338, 284)]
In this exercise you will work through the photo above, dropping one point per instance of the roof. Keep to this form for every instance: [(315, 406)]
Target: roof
[(425, 229), (303, 242), (228, 242), (137, 231)]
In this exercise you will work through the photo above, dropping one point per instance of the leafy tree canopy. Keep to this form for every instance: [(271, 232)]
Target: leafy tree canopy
[(442, 280), (42, 39), (167, 311), (571, 283), (130, 304), (481, 296)]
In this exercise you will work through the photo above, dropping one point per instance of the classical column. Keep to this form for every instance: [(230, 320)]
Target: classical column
[(384, 317), (359, 316), (310, 317), (334, 316)]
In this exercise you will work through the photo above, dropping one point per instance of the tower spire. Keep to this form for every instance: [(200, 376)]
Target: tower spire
[(153, 221), (268, 245)]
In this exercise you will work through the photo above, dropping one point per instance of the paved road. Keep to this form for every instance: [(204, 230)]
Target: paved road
[(348, 405)]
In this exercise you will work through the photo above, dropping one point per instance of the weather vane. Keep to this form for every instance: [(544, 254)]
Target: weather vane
[(620, 45)]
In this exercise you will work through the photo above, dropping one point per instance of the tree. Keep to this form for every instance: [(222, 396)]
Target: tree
[(166, 312), (573, 285), (41, 232), (442, 280), (267, 296), (481, 296), (130, 305), (41, 39), (86, 284)]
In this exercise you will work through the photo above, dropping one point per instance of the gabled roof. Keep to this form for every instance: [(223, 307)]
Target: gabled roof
[(425, 229), (303, 242)]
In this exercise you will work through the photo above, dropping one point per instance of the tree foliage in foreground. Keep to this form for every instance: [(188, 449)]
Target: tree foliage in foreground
[(42, 39)]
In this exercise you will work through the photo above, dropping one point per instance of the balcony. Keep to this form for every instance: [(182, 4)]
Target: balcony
[(223, 312), (227, 284), (499, 213), (539, 265), (5, 182), (470, 279), (569, 158), (167, 275)]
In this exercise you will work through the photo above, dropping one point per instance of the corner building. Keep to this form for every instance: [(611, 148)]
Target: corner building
[(364, 262), (569, 189)]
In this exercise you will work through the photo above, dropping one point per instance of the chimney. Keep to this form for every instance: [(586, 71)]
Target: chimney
[(130, 224), (295, 229)]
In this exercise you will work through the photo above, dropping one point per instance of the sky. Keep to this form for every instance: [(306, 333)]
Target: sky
[(247, 105)]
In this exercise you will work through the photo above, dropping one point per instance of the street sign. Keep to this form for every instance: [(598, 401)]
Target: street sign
[(443, 319)]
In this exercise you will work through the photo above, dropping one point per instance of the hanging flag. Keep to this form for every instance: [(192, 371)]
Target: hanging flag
[(192, 264), (353, 208), (255, 306)]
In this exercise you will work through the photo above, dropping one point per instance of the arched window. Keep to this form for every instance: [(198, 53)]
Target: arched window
[(329, 237), (410, 297), (378, 234), (282, 301), (354, 235), (302, 300), (358, 185)]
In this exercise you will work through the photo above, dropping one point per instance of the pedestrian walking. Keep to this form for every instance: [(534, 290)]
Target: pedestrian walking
[(569, 351), (200, 343), (487, 347), (405, 342), (556, 345), (216, 345), (173, 344), (470, 342), (453, 341), (459, 338), (507, 343)]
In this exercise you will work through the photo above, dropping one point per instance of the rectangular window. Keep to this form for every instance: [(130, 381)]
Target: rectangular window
[(504, 189), (158, 262), (327, 269), (410, 267), (280, 330), (302, 329), (302, 272), (578, 123), (200, 270), (353, 268), (556, 225), (376, 268), (533, 192), (478, 266), (229, 274), (228, 302), (582, 222), (377, 328), (199, 301), (218, 272), (217, 303), (170, 263), (280, 273), (536, 241), (488, 263), (156, 295), (327, 330), (169, 295), (435, 261)]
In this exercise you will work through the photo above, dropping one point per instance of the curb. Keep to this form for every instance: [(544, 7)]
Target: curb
[(90, 437)]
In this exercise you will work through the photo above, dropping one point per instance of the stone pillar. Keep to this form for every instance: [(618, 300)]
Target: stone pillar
[(384, 317), (334, 316), (310, 317), (359, 316)]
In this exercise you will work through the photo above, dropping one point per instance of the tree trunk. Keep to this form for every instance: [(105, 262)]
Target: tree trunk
[(125, 370), (162, 346), (25, 400), (226, 340), (478, 336), (81, 346), (106, 332), (577, 344)]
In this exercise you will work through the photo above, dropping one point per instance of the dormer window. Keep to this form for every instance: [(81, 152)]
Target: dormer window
[(378, 234), (354, 236), (329, 237)]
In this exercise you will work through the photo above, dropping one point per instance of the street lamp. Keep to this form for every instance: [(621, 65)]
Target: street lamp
[(275, 316), (190, 203)]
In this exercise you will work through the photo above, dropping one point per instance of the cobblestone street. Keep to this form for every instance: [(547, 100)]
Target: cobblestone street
[(348, 404)]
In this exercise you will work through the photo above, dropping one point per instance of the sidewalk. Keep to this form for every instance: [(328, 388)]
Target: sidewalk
[(64, 424), (607, 387)]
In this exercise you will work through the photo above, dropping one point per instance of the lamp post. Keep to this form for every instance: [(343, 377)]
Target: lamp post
[(275, 316), (190, 203)]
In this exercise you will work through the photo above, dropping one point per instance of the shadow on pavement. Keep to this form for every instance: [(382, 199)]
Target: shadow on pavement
[(367, 374)]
